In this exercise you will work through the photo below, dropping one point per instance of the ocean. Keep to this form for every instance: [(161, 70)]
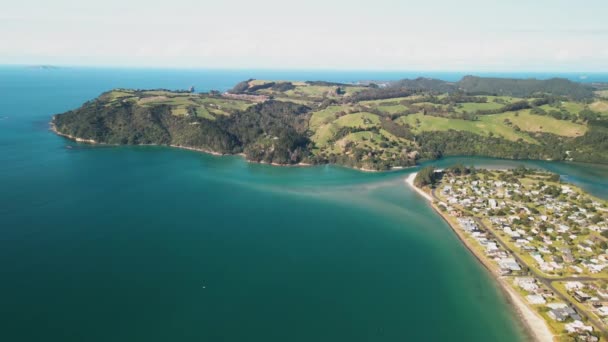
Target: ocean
[(159, 244)]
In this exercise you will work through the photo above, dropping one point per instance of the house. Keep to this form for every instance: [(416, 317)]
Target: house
[(561, 312), (509, 264), (491, 246), (602, 293), (559, 315), (536, 299), (603, 311), (574, 285), (586, 337), (526, 283), (538, 258), (567, 255), (492, 203), (577, 269), (581, 296), (456, 213), (566, 189), (578, 326)]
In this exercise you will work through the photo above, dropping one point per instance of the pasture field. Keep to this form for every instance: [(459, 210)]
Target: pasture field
[(362, 120), (484, 126), (203, 105), (539, 123), (326, 115), (472, 107), (600, 106)]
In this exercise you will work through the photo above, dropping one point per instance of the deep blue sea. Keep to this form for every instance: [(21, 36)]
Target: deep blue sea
[(158, 244)]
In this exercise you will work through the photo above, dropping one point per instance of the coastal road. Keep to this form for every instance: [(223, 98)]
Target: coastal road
[(547, 281)]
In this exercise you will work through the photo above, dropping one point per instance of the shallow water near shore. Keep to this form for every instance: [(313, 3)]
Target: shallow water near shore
[(155, 244)]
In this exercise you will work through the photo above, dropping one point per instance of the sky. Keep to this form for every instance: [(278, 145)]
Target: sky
[(431, 35)]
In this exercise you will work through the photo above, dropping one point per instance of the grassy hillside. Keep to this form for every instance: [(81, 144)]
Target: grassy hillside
[(361, 126), (600, 106), (271, 131)]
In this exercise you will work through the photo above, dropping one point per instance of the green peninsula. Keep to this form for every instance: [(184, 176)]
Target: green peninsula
[(367, 125)]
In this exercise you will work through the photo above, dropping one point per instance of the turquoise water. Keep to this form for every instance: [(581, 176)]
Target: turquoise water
[(157, 244)]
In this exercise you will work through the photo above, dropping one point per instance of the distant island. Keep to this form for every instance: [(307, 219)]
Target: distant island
[(43, 67), (545, 242), (369, 125)]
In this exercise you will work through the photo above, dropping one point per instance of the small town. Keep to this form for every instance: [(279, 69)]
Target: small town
[(545, 238)]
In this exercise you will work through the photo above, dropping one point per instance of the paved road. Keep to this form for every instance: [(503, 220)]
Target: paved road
[(547, 281)]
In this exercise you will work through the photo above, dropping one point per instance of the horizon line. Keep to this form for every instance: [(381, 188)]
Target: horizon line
[(286, 69)]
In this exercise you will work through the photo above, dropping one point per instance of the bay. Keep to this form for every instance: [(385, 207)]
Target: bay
[(157, 244)]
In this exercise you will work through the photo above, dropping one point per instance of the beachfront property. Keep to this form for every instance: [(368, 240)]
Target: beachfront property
[(537, 232)]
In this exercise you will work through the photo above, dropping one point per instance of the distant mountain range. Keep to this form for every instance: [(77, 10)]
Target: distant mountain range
[(501, 86)]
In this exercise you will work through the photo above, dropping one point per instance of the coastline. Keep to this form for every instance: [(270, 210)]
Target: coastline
[(410, 181), (88, 141), (534, 325), (53, 128)]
